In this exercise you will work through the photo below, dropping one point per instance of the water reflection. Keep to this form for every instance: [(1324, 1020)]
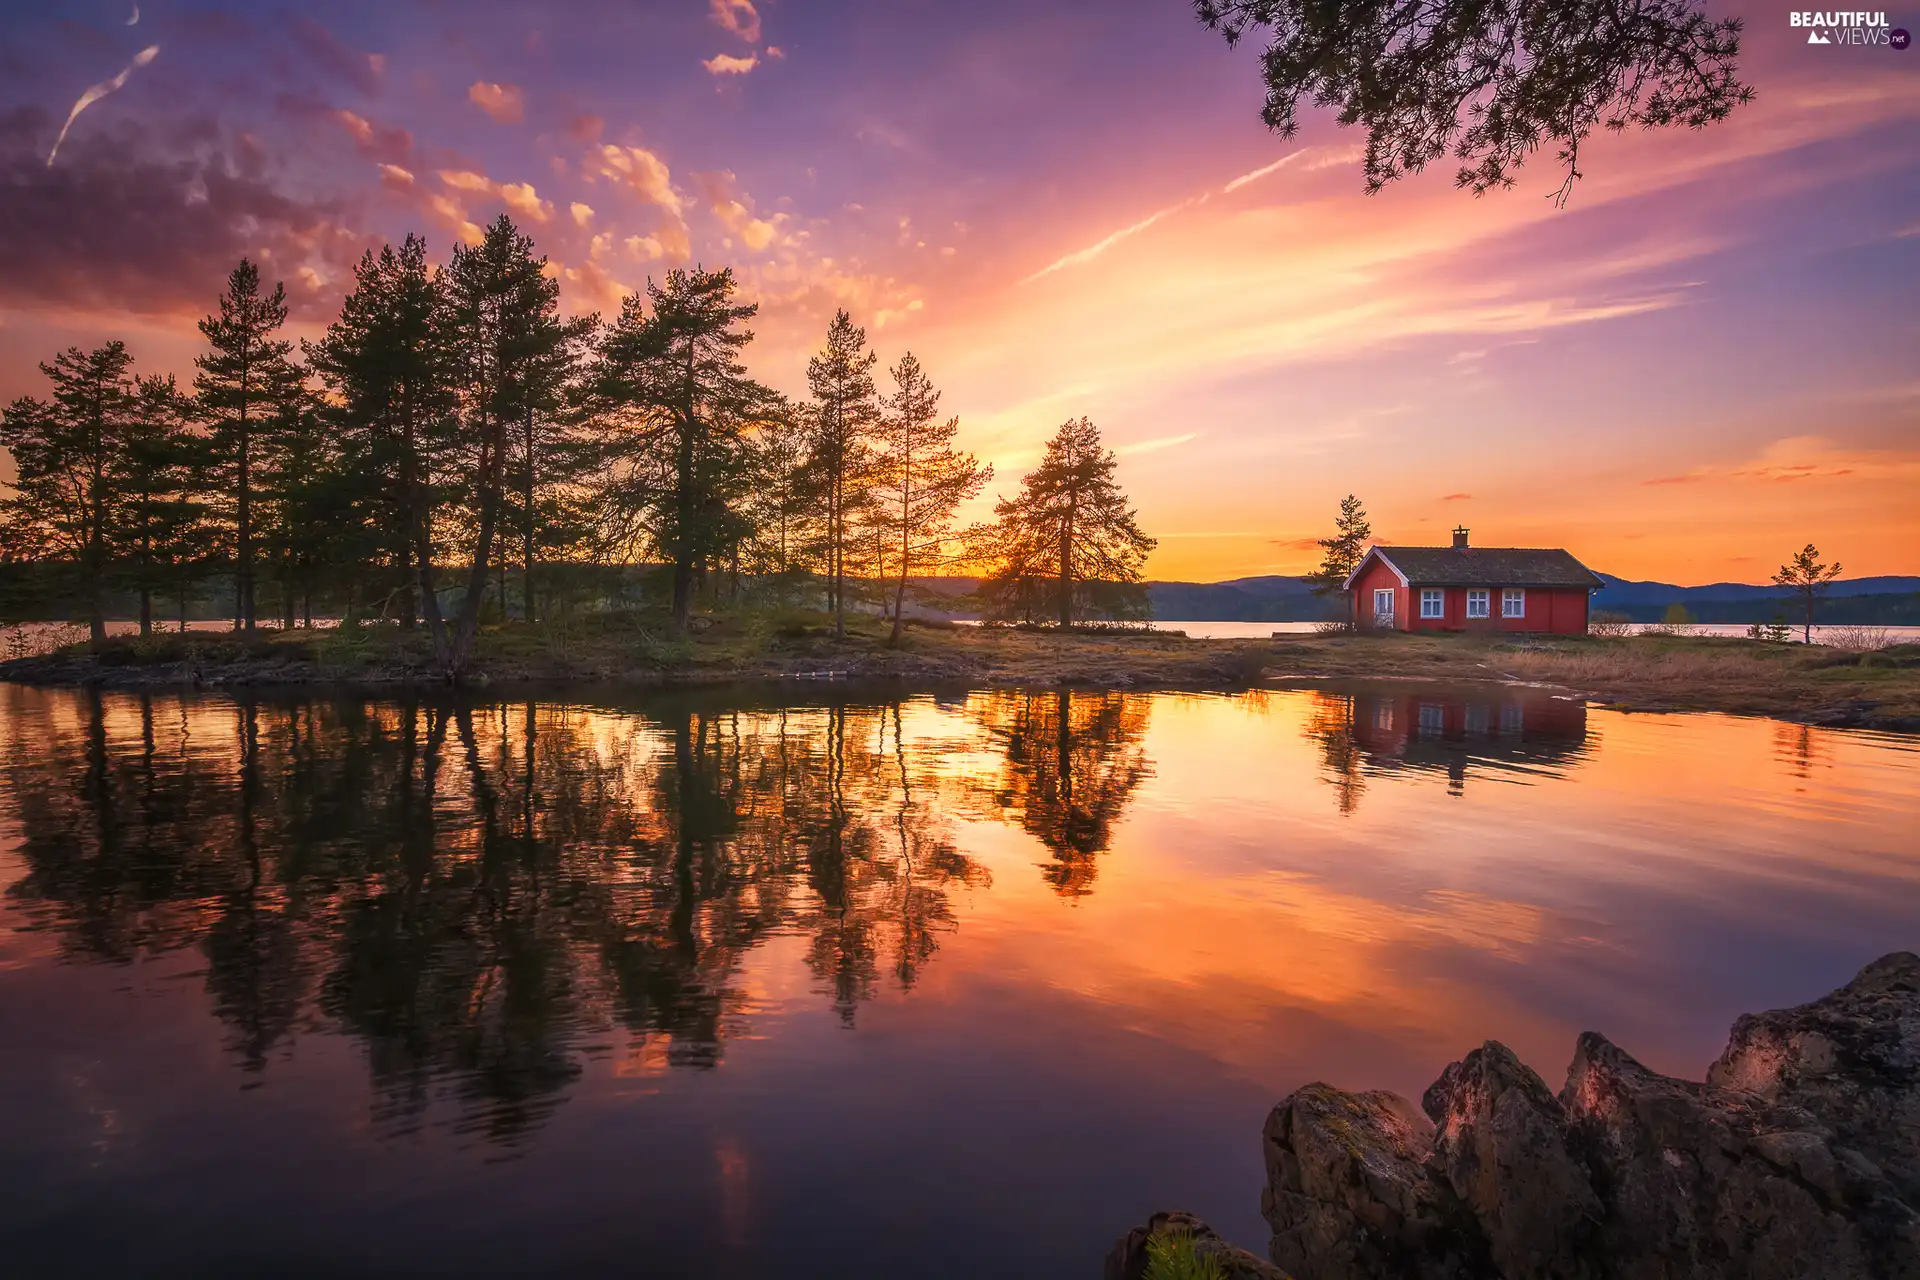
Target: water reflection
[(709, 968), (470, 891), (1429, 731)]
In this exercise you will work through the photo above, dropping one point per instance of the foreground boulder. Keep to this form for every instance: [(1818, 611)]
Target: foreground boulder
[(1130, 1259), (1798, 1157)]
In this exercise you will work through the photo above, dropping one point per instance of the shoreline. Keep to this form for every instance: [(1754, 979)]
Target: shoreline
[(1807, 685)]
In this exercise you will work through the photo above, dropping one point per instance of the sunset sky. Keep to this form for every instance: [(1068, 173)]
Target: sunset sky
[(1064, 207)]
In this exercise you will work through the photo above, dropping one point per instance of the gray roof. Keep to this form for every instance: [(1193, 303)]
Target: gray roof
[(1489, 567)]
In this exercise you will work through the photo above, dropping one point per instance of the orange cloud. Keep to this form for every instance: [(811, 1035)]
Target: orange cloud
[(737, 17), (504, 102), (724, 64)]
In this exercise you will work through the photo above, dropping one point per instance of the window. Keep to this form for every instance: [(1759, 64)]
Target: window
[(1513, 602), (1433, 602), (1383, 605), (1478, 601), (1433, 719)]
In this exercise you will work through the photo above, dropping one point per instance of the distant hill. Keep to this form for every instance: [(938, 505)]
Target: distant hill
[(1620, 593), (1887, 600)]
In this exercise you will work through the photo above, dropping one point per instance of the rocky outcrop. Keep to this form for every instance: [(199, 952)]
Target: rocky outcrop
[(1798, 1157), (1129, 1259)]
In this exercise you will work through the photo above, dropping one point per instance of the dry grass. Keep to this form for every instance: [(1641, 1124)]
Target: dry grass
[(1820, 683)]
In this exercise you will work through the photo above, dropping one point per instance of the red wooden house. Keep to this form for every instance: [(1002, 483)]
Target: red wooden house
[(1463, 588)]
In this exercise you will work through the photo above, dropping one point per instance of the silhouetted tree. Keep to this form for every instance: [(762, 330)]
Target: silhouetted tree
[(920, 477), (846, 414), (1068, 536), (680, 406), (159, 528), (502, 323), (1808, 579), (386, 362), (243, 383), (69, 462), (1344, 551), (1488, 83)]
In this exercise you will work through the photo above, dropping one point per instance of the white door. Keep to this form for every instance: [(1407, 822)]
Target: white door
[(1383, 607)]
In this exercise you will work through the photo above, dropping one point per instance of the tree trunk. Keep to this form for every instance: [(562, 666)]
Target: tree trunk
[(469, 622), (1066, 571), (243, 531), (526, 582)]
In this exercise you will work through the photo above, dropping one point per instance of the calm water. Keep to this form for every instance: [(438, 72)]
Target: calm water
[(950, 986)]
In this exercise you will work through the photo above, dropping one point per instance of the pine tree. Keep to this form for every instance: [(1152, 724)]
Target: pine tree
[(386, 363), (681, 407), (920, 477), (1807, 578), (783, 496), (501, 307), (846, 413), (1068, 535), (66, 454), (160, 521), (551, 458), (242, 384), (1343, 551)]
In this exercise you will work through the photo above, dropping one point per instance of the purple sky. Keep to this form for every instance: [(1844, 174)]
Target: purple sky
[(1704, 361)]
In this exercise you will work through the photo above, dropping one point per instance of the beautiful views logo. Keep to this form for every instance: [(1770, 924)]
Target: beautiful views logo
[(1848, 28)]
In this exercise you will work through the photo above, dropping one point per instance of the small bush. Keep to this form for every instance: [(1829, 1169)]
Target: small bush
[(1171, 1256), (1854, 639), (1605, 622)]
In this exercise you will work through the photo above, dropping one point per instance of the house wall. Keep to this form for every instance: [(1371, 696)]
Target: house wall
[(1556, 610), (1378, 576)]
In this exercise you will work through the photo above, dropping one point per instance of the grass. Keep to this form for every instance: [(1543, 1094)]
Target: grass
[(1171, 1256), (1819, 683)]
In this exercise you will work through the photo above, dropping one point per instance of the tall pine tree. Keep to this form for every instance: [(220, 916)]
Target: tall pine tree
[(67, 458), (846, 414), (920, 477), (385, 361), (244, 383), (682, 405), (159, 524), (502, 313)]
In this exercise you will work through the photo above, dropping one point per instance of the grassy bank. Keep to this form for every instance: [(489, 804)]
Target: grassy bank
[(1814, 684)]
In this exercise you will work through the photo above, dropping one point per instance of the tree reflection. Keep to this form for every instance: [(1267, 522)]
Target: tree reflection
[(1070, 763), (474, 892)]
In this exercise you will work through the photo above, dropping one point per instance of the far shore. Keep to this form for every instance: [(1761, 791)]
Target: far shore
[(1812, 684)]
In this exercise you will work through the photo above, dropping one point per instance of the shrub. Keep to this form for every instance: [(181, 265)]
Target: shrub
[(1854, 639), (1171, 1256), (1605, 622)]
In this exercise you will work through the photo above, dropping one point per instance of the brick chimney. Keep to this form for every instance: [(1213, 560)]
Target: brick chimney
[(1459, 537)]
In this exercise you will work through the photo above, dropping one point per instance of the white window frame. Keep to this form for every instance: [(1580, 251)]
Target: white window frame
[(1379, 614), (1479, 602), (1433, 602), (1513, 602)]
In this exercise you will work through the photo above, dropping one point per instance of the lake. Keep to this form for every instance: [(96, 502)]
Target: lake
[(734, 983)]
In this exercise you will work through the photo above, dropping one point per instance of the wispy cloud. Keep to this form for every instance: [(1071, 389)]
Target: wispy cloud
[(100, 91), (1094, 250), (1155, 445), (725, 64)]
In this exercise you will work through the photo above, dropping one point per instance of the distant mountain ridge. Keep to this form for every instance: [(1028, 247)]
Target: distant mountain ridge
[(1888, 600)]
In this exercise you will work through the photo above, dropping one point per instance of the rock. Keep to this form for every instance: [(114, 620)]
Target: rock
[(1799, 1157), (1501, 1144), (1350, 1194), (1700, 1181), (1852, 1059), (1128, 1261)]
